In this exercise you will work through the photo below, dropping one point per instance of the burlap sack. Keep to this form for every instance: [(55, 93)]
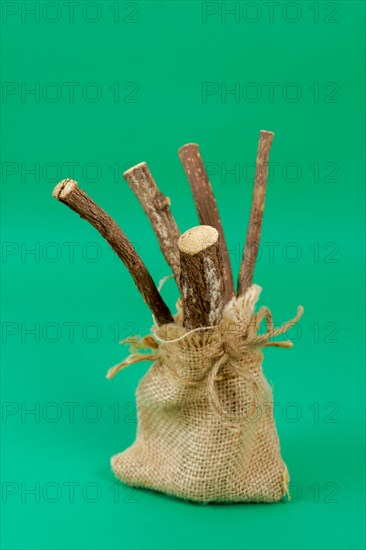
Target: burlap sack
[(205, 411)]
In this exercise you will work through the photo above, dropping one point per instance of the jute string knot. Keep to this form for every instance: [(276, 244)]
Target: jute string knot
[(230, 349)]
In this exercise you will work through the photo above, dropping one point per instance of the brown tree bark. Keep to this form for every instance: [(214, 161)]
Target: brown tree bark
[(157, 208), (201, 277), (206, 206), (68, 192), (256, 214)]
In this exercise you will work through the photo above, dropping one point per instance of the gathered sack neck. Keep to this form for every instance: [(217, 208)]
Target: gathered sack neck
[(229, 349)]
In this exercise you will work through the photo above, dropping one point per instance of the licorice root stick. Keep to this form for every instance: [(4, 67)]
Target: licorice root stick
[(206, 206), (68, 192), (201, 277), (256, 214), (157, 208)]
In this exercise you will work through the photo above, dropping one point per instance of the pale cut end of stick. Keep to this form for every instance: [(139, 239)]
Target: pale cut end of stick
[(64, 188), (198, 239), (134, 169)]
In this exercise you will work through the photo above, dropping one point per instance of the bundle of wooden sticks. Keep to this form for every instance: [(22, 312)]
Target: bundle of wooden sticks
[(199, 257)]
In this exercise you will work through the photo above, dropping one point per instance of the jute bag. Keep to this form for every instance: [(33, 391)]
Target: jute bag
[(206, 431), (205, 411)]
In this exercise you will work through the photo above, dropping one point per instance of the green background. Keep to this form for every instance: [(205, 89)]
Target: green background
[(162, 54)]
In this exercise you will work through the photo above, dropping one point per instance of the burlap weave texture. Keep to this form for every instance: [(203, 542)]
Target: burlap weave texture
[(206, 430)]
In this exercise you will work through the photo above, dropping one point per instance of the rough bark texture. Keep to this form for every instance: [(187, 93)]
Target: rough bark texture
[(156, 206), (68, 192), (206, 206), (201, 277), (256, 214)]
